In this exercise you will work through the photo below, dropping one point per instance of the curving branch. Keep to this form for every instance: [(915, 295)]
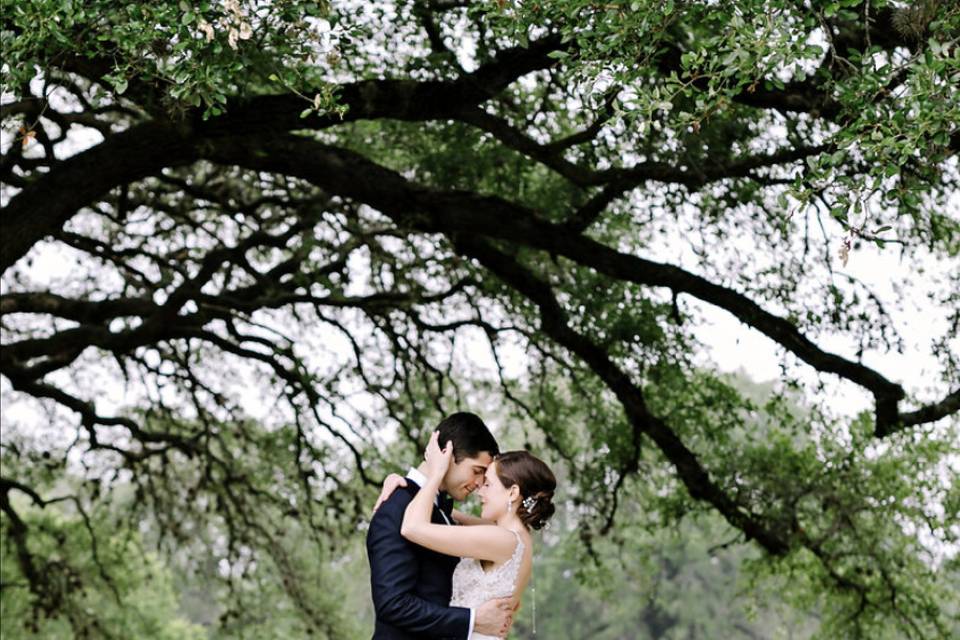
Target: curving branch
[(351, 175), (45, 204), (623, 178), (553, 321)]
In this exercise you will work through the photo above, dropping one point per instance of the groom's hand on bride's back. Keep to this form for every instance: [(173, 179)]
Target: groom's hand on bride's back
[(495, 617), (390, 484)]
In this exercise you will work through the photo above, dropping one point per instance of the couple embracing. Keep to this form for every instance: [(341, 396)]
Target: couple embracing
[(436, 572)]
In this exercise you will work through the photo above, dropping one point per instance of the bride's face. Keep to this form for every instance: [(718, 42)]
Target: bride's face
[(494, 496)]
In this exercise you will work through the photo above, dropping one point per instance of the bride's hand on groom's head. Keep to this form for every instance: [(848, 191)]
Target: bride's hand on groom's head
[(438, 460), (390, 484)]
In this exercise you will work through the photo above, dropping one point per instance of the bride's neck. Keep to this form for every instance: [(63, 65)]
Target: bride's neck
[(510, 521)]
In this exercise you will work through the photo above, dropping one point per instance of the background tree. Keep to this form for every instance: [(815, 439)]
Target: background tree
[(251, 253)]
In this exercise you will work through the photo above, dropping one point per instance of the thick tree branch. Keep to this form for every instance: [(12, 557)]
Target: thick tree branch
[(348, 174), (411, 100), (929, 413), (83, 311), (553, 320), (46, 203)]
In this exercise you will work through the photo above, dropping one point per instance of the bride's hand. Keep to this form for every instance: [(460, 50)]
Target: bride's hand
[(390, 484), (438, 461)]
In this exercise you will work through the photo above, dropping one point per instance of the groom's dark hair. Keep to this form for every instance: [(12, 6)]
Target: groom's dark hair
[(469, 435)]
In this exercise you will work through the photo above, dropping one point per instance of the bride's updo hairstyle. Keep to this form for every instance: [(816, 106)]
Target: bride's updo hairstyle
[(537, 484)]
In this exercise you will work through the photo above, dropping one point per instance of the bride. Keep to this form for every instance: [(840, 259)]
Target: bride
[(496, 550)]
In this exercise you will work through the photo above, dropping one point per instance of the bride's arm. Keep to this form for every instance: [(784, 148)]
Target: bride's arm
[(468, 519), (482, 542)]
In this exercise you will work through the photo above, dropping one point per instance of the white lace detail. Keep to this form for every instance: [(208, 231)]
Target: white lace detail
[(472, 586)]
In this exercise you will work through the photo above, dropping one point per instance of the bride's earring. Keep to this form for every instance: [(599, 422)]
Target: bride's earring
[(509, 506)]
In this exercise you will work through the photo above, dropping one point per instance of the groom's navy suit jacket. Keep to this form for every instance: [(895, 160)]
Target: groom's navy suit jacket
[(411, 584)]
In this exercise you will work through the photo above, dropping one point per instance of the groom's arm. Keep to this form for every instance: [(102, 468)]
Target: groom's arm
[(393, 579)]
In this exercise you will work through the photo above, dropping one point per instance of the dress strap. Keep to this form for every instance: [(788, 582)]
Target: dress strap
[(519, 548)]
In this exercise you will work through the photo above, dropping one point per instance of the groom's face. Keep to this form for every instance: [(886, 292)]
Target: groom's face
[(464, 477)]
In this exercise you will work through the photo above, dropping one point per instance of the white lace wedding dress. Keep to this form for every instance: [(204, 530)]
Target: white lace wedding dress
[(472, 586)]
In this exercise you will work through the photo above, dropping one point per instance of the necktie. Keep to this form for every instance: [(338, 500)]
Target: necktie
[(445, 502)]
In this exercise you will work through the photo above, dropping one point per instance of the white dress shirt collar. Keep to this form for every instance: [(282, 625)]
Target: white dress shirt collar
[(418, 477)]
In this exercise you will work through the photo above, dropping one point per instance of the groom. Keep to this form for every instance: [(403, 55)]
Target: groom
[(412, 585)]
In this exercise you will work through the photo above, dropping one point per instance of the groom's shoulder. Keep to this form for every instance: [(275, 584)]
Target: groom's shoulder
[(399, 499)]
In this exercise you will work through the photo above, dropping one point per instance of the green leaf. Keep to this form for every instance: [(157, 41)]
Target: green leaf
[(839, 212)]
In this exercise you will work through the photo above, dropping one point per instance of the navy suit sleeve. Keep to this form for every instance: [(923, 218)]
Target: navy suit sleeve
[(394, 570)]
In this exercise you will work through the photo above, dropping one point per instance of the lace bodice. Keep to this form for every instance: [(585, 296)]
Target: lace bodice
[(472, 586)]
